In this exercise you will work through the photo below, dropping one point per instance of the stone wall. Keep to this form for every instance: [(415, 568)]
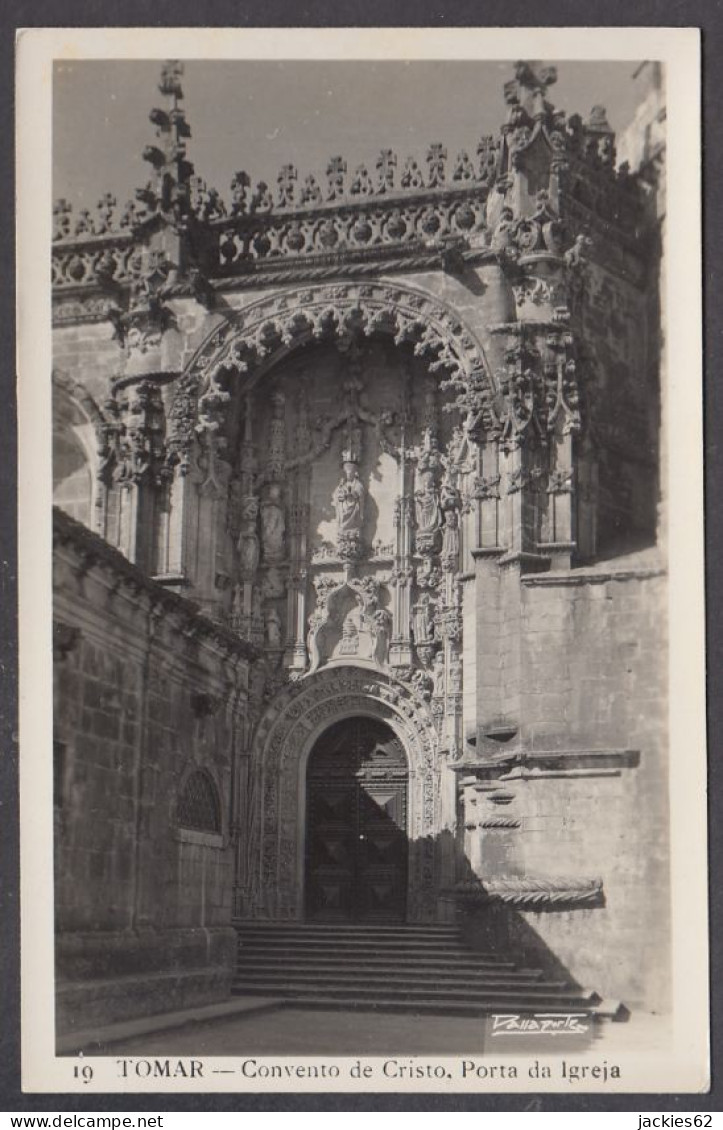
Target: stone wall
[(147, 694), (583, 795)]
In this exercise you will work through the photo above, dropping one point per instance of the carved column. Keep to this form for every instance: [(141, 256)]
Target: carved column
[(400, 652), (563, 422), (486, 488), (139, 469), (248, 549), (296, 654)]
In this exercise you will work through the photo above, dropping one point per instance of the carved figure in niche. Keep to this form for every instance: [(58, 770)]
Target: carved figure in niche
[(426, 505), (350, 500), (450, 538), (273, 586), (423, 684), (273, 523), (248, 542), (450, 502), (349, 504), (456, 445), (423, 620), (382, 621), (455, 676), (273, 628), (438, 676), (237, 608), (427, 574), (349, 636)]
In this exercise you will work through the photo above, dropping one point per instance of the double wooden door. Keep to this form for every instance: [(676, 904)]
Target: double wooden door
[(356, 819)]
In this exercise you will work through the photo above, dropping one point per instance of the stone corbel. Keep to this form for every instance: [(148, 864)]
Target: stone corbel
[(488, 762), (534, 893)]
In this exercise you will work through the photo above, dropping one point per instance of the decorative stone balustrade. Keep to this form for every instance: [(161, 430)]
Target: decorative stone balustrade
[(434, 205)]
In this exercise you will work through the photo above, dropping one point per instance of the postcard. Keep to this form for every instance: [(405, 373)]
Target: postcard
[(360, 385)]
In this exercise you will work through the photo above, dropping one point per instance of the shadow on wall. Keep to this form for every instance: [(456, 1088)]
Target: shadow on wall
[(361, 867), (488, 910)]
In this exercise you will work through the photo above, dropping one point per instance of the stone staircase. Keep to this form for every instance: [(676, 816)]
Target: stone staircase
[(417, 969)]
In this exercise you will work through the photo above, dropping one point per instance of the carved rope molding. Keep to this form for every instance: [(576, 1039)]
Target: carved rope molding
[(253, 339), (531, 893)]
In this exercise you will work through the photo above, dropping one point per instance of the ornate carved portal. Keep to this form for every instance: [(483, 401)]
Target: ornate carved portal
[(290, 728), (348, 519)]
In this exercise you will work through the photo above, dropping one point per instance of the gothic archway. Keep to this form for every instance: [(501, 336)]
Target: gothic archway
[(284, 739), (254, 340)]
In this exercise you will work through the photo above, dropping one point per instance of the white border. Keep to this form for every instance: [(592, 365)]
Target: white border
[(685, 1068)]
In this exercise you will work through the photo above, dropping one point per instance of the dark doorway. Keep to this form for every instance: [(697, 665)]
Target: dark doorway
[(356, 820)]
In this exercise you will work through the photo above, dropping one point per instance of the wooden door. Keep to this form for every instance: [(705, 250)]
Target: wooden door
[(356, 842)]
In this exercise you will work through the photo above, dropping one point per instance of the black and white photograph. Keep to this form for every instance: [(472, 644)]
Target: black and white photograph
[(369, 459)]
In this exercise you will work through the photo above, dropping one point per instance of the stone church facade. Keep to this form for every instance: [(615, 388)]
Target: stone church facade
[(359, 592)]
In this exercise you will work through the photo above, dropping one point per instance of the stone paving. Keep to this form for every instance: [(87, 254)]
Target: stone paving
[(295, 1031)]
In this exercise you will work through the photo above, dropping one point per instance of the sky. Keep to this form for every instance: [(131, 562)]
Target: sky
[(260, 115)]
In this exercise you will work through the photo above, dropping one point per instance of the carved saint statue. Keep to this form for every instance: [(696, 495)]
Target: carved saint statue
[(450, 531), (248, 542), (426, 505), (349, 636), (237, 608), (349, 501), (423, 620), (450, 537), (438, 676), (381, 621), (273, 523)]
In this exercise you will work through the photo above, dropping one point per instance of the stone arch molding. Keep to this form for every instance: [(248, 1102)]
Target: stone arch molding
[(253, 340), (283, 741)]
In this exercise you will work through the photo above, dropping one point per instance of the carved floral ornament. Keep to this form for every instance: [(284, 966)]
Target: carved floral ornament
[(251, 342), (286, 734)]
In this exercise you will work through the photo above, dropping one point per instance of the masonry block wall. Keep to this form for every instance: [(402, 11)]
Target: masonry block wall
[(150, 709), (590, 797)]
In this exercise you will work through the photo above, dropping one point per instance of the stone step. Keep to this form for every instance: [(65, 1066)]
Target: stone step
[(414, 969), (381, 979), (404, 948), (420, 1007), (332, 930), (345, 948), (524, 998), (382, 963)]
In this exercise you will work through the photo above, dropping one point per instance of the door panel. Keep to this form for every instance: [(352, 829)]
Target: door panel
[(356, 842), (331, 846)]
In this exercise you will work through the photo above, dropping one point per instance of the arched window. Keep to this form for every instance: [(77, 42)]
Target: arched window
[(75, 420), (199, 807), (72, 482)]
